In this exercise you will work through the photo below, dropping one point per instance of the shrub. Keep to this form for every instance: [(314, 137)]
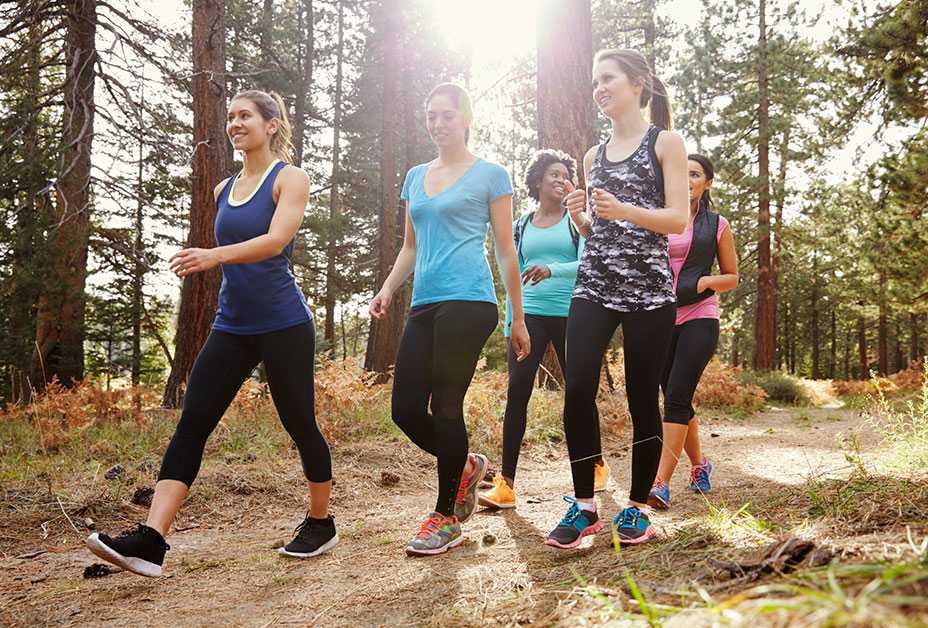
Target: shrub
[(721, 387), (778, 386)]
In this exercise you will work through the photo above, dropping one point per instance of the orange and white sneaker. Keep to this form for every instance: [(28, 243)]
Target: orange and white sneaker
[(500, 496), (600, 476)]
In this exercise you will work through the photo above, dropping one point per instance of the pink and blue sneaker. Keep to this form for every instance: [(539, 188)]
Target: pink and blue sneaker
[(575, 525), (632, 526), (699, 477), (659, 497)]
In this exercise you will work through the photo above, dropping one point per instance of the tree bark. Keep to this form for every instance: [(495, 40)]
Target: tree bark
[(883, 328), (60, 319), (864, 371), (833, 357), (564, 110), (765, 316), (200, 291), (302, 101), (384, 335), (915, 346), (816, 357), (331, 274)]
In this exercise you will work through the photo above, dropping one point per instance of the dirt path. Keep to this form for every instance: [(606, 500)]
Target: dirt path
[(230, 575)]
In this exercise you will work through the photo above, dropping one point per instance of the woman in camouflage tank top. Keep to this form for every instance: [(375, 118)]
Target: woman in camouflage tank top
[(637, 195)]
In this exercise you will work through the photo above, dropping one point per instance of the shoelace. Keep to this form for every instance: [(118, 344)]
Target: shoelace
[(572, 513), (305, 525), (429, 527), (629, 518), (462, 487), (698, 475)]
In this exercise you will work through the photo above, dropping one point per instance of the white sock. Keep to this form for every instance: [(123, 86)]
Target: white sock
[(587, 506)]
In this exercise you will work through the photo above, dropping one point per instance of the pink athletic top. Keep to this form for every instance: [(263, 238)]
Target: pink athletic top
[(679, 246)]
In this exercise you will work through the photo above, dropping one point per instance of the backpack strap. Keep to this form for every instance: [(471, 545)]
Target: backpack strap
[(520, 233), (574, 235)]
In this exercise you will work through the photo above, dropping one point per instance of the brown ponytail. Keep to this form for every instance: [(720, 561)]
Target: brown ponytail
[(653, 93), (271, 106)]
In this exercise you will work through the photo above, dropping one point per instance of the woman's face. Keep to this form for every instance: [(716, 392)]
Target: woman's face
[(553, 182), (613, 90), (697, 180), (445, 123), (246, 129)]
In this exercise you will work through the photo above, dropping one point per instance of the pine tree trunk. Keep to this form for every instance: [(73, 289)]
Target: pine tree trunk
[(302, 99), (200, 291), (60, 318), (899, 362), (778, 232), (331, 274), (563, 107), (833, 357), (816, 365), (915, 346), (848, 342), (765, 316), (883, 329), (384, 335), (864, 371)]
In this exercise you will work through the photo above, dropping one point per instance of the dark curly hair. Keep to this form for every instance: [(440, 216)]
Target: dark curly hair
[(540, 162)]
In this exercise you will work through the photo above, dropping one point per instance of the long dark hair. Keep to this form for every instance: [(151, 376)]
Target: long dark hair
[(705, 201), (654, 92)]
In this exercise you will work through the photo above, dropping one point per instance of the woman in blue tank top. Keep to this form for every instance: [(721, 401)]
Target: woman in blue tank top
[(262, 317), (450, 203)]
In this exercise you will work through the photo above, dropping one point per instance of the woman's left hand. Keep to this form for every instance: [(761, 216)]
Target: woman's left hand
[(191, 261), (535, 274), (608, 207), (702, 285), (521, 342)]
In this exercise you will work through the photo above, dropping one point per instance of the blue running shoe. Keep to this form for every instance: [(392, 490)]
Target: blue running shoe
[(699, 477), (631, 526), (659, 497), (575, 525)]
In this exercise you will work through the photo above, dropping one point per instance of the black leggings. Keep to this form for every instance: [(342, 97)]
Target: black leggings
[(691, 347), (222, 366), (541, 330), (434, 366), (646, 336)]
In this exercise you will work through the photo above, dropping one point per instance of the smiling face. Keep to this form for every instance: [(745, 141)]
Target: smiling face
[(697, 180), (446, 124), (552, 187), (613, 90), (246, 128)]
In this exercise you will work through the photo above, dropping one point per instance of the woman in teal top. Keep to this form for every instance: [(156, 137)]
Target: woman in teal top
[(549, 249), (450, 203)]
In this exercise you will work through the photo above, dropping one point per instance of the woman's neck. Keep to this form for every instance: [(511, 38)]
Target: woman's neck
[(454, 155), (628, 124), (550, 207), (694, 207), (255, 162)]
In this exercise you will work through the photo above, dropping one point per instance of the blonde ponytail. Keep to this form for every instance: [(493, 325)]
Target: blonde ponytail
[(271, 106)]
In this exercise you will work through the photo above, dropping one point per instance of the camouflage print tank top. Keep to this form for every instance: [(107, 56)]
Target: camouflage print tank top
[(626, 267)]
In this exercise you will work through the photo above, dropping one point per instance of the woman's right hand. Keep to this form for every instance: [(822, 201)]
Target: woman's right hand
[(380, 304), (575, 201)]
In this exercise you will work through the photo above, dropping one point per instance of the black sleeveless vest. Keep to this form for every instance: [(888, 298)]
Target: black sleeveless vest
[(699, 259)]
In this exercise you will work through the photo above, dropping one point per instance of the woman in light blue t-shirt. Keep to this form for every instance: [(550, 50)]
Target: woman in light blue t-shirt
[(450, 204)]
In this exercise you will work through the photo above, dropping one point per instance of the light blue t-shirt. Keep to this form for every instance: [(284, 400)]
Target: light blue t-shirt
[(552, 247), (451, 232)]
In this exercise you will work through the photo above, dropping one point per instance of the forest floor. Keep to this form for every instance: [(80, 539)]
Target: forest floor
[(809, 522)]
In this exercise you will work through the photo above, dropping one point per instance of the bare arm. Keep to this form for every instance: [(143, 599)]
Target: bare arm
[(576, 199), (727, 279), (501, 223), (671, 153), (292, 198), (404, 265)]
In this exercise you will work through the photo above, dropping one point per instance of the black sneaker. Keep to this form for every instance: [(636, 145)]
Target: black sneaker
[(313, 537), (140, 550)]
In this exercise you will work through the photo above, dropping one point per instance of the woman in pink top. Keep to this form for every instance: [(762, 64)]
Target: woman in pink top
[(692, 256)]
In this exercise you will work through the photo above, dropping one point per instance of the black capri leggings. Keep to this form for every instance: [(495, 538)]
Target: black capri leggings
[(434, 366), (691, 347), (541, 330), (646, 337), (222, 366)]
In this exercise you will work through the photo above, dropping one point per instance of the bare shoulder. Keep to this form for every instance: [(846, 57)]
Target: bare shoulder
[(588, 157), (220, 187), (292, 175), (669, 142)]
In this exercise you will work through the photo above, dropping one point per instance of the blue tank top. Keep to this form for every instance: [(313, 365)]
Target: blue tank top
[(258, 297)]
